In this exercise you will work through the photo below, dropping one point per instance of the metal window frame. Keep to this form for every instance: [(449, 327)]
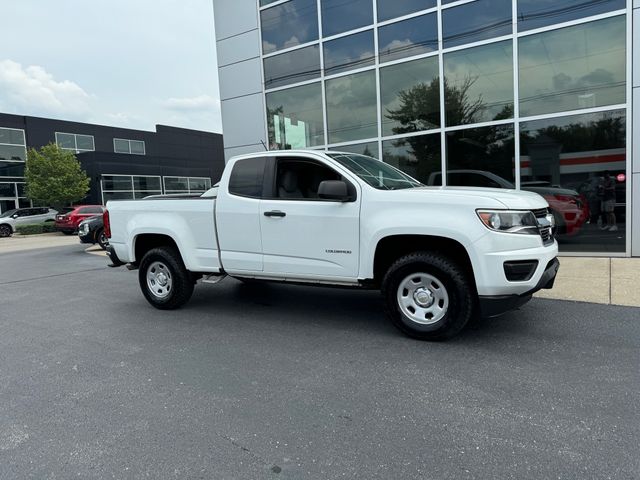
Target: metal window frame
[(24, 136), (130, 152), (133, 190), (75, 142)]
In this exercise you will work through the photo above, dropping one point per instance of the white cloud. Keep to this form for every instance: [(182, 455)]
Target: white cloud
[(193, 104), (33, 90)]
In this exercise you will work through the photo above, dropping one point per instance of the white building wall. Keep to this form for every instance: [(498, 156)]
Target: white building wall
[(240, 75)]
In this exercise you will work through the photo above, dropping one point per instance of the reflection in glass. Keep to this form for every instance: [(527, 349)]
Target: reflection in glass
[(578, 164), (13, 152), (369, 149), (294, 117), (289, 24), (176, 183), (116, 182), (540, 13), (410, 37), (120, 146), (410, 96), (11, 169), (417, 156), (575, 67), (84, 142), (7, 189), (292, 67), (137, 147), (481, 157), (475, 21), (11, 136), (479, 84), (340, 16), (347, 53), (388, 9), (66, 140), (351, 107), (146, 183), (117, 196)]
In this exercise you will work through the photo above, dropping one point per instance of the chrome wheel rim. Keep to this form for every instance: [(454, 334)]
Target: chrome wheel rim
[(103, 240), (159, 280), (423, 298)]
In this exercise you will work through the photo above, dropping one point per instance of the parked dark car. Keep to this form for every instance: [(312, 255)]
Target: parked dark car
[(69, 221), (91, 231)]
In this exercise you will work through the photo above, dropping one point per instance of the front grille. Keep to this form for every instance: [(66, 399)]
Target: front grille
[(540, 212), (546, 232)]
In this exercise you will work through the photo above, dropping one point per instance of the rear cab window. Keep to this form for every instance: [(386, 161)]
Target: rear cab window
[(247, 177)]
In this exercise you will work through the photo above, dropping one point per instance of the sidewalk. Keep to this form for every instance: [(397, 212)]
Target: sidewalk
[(18, 243), (597, 280)]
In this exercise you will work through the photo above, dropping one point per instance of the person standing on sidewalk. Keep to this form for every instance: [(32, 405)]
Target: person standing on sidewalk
[(609, 202)]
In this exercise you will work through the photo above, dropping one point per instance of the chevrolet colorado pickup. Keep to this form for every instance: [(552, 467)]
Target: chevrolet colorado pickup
[(440, 255)]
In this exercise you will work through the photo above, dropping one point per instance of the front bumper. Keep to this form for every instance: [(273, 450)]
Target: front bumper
[(494, 305)]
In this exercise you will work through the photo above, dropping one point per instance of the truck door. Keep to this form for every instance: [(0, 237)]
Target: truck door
[(238, 217), (304, 235)]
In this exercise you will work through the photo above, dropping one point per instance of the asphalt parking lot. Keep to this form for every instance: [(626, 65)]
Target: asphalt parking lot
[(274, 381)]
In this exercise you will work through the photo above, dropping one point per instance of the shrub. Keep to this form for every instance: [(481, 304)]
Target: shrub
[(36, 228)]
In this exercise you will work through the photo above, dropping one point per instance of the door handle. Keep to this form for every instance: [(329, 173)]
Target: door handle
[(275, 213)]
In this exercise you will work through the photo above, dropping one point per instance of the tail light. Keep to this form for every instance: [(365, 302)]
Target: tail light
[(107, 225)]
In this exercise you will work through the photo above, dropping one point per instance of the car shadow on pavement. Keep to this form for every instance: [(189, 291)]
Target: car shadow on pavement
[(354, 309)]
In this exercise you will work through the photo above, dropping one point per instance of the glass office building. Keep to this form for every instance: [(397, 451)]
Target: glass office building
[(529, 94)]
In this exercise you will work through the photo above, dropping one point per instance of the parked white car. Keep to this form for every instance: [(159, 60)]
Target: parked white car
[(10, 219), (439, 254)]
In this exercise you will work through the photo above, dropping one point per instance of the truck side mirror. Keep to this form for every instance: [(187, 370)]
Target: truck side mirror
[(333, 190)]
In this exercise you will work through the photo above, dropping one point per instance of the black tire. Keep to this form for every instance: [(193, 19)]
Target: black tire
[(102, 239), (6, 230), (180, 278), (458, 289)]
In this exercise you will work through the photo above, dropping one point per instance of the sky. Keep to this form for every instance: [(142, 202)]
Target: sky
[(126, 63)]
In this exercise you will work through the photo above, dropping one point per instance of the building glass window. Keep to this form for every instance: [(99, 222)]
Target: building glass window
[(351, 107), (578, 164), (289, 24), (11, 169), (13, 152), (481, 157), (292, 67), (76, 142), (12, 136), (475, 21), (339, 16), (173, 185), (575, 67), (388, 9), (347, 53), (295, 117), (369, 149), (417, 156), (133, 147), (479, 84), (129, 187), (407, 38), (410, 96), (541, 13)]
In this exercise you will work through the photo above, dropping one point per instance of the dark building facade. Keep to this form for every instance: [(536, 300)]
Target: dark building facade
[(121, 163)]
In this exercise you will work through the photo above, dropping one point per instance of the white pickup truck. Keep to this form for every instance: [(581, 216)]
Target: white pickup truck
[(440, 255)]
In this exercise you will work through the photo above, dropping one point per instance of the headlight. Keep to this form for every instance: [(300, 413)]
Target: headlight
[(84, 229), (506, 221)]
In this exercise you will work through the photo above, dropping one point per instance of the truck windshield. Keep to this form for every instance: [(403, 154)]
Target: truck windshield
[(378, 174)]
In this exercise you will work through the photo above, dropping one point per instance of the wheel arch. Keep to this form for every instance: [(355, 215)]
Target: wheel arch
[(390, 248), (144, 242)]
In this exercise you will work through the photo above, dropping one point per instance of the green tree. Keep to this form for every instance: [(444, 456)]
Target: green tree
[(54, 177)]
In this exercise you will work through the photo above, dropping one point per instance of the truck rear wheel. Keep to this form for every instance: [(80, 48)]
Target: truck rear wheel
[(164, 280), (428, 296)]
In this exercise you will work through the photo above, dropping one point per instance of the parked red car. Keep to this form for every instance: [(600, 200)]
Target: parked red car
[(68, 222)]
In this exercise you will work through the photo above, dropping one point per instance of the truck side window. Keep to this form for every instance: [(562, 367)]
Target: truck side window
[(300, 179), (247, 177)]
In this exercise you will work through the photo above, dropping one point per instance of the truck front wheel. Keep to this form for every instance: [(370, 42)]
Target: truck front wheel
[(164, 280), (428, 296)]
